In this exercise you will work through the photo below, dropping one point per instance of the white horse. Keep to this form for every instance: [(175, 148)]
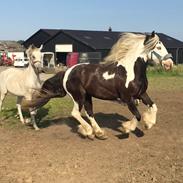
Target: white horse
[(22, 82)]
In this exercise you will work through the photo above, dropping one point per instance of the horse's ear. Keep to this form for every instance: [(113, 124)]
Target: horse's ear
[(149, 36), (41, 47), (153, 34), (29, 50)]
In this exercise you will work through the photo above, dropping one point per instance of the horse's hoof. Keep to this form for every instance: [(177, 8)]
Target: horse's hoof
[(148, 126), (101, 136), (91, 137), (27, 121), (84, 136), (17, 116), (129, 126), (82, 131), (23, 122), (37, 129), (124, 130)]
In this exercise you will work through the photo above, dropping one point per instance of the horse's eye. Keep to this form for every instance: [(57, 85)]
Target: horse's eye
[(159, 47), (33, 57)]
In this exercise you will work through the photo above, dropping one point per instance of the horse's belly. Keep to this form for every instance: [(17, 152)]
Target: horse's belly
[(16, 91), (104, 94), (17, 88)]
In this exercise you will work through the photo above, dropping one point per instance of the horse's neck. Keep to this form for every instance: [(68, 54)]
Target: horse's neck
[(32, 76), (140, 69)]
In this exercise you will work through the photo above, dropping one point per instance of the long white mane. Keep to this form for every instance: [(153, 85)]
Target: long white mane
[(130, 44)]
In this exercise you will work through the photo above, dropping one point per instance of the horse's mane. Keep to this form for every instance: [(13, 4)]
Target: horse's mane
[(127, 44)]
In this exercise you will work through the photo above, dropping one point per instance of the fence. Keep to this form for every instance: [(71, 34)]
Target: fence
[(177, 54)]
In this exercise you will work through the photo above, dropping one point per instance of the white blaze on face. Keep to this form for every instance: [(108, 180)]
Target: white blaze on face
[(108, 76), (36, 55), (162, 51)]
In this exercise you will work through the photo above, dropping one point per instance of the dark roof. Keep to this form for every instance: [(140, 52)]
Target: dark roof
[(95, 39), (170, 42), (106, 39), (102, 39), (50, 32)]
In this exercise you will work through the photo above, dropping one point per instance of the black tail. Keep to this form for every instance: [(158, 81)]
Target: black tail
[(51, 88)]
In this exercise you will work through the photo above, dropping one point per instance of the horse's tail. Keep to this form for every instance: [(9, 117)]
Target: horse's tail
[(51, 88)]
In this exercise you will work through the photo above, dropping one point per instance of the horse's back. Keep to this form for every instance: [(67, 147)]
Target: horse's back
[(14, 81), (90, 79)]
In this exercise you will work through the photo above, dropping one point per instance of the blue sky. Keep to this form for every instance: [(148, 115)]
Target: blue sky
[(21, 18)]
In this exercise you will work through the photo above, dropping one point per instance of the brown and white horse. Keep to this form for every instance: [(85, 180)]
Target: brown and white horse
[(121, 77)]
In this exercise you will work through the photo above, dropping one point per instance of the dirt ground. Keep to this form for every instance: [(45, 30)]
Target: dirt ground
[(57, 154)]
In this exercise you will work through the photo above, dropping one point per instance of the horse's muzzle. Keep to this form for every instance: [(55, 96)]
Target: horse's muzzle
[(167, 64)]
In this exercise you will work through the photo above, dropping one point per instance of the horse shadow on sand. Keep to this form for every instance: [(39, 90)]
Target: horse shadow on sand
[(111, 120)]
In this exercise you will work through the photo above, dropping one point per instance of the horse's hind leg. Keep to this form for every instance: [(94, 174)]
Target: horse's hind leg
[(33, 119), (19, 99), (2, 96), (84, 129), (99, 133)]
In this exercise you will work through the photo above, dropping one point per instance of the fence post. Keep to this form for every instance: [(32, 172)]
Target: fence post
[(177, 56)]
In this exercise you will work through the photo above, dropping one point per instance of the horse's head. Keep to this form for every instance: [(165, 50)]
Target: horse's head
[(34, 55), (158, 54)]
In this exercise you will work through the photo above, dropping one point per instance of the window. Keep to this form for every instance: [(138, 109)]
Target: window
[(106, 37), (87, 37)]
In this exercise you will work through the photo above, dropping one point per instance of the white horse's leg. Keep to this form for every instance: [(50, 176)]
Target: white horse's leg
[(33, 119), (85, 129), (88, 105), (3, 94), (19, 99)]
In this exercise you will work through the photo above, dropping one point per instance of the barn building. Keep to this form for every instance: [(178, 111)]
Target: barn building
[(61, 42)]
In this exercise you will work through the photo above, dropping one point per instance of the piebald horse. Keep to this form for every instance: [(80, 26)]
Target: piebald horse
[(121, 77), (22, 82)]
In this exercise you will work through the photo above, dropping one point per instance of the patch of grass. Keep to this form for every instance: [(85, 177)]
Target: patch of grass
[(168, 83), (159, 79), (157, 71), (57, 107), (8, 114)]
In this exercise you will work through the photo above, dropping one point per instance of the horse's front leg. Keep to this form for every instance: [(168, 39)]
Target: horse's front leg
[(132, 124), (149, 116)]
